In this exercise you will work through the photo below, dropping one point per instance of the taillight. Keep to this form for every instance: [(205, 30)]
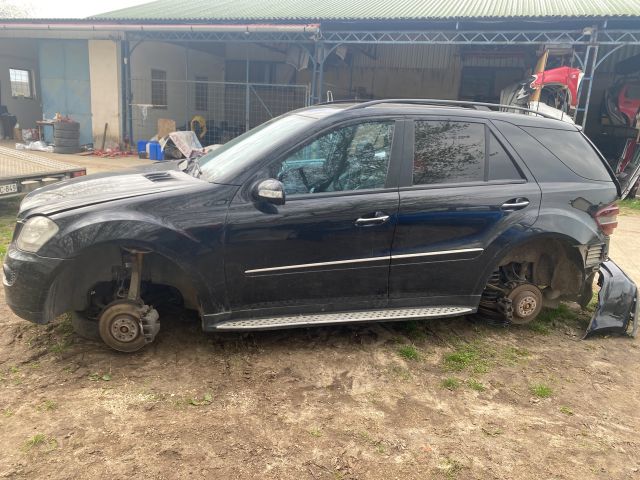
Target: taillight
[(81, 173), (607, 218)]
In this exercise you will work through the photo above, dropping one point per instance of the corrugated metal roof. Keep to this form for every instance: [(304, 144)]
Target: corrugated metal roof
[(296, 10)]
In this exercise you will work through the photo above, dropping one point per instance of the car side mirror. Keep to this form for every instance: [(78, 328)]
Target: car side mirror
[(271, 191)]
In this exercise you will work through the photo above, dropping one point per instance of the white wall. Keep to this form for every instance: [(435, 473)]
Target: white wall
[(181, 64), (21, 54), (104, 71)]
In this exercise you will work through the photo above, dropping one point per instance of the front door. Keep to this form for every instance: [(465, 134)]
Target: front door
[(462, 193), (328, 247)]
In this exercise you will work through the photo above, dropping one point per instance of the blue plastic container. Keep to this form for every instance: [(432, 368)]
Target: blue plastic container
[(155, 151), (142, 146)]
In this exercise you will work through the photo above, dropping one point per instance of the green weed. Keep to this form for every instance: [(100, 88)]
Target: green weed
[(409, 352), (476, 385), (541, 390), (451, 383)]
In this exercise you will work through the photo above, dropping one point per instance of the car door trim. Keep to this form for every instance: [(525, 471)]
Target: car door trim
[(440, 252), (361, 260)]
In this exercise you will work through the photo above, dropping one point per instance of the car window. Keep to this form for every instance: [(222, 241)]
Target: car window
[(501, 166), (448, 152), (355, 157)]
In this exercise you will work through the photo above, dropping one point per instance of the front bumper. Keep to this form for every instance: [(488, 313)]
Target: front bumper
[(27, 279), (618, 305)]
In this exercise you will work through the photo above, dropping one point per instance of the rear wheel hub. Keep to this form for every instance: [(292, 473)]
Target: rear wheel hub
[(527, 303)]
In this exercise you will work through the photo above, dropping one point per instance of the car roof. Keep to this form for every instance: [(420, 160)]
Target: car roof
[(355, 109)]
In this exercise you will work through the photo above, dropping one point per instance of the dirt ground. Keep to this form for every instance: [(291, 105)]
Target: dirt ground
[(439, 399)]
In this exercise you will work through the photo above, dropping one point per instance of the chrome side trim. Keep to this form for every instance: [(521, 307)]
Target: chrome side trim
[(360, 260), (319, 264), (441, 252)]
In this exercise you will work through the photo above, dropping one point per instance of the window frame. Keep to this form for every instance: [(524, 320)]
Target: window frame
[(166, 90), (32, 93), (406, 174), (201, 81), (395, 157)]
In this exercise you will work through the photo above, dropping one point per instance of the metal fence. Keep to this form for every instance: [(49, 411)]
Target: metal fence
[(228, 108)]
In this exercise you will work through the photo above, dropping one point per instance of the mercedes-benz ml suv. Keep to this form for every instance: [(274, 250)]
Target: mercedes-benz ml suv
[(376, 211)]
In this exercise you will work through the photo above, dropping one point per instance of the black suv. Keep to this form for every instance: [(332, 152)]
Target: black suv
[(378, 211)]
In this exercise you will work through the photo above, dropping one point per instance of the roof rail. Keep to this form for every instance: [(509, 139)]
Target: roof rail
[(449, 103)]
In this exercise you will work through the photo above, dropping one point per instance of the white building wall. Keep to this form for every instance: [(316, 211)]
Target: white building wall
[(106, 100), (182, 66)]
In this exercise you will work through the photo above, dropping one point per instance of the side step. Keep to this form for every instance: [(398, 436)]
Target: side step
[(267, 323)]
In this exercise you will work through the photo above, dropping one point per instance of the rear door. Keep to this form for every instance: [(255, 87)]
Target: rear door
[(462, 188)]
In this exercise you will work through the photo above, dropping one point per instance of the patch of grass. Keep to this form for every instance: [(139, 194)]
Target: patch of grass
[(450, 467), (60, 346), (7, 412), (550, 317), (8, 212), (206, 399), (409, 352), (451, 383), (96, 377), (630, 203), (377, 444), (513, 355), (399, 372), (566, 410), (492, 431), (315, 432), (414, 330), (475, 385), (473, 356), (40, 440), (47, 405), (541, 390)]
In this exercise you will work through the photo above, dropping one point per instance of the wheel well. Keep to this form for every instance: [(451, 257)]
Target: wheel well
[(556, 264), (99, 265)]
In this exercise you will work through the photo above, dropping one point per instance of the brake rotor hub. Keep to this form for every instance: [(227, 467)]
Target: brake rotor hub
[(527, 303)]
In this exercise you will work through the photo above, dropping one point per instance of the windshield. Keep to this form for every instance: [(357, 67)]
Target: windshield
[(225, 163)]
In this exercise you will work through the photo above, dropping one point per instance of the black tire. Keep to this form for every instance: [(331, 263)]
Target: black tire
[(67, 142), (67, 150), (58, 134), (66, 126), (85, 327)]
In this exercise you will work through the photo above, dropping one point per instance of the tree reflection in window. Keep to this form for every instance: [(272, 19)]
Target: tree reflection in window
[(448, 152), (355, 157)]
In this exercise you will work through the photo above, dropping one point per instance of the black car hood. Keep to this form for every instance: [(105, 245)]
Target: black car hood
[(105, 187)]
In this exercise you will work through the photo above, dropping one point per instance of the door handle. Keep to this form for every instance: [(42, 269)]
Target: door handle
[(515, 204), (377, 219)]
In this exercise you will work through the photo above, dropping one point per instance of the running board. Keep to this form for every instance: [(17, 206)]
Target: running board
[(266, 323)]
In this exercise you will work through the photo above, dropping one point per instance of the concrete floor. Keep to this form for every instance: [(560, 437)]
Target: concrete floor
[(92, 163)]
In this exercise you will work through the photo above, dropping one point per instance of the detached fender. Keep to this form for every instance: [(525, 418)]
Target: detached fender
[(618, 305)]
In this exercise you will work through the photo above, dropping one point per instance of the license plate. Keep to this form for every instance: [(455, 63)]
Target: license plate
[(9, 188)]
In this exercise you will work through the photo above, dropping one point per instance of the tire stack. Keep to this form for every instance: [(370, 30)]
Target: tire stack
[(66, 137)]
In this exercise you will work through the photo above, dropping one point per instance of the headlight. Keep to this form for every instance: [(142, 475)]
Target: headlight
[(35, 233)]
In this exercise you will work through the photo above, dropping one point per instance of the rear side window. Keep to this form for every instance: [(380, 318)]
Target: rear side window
[(572, 149), (448, 152), (501, 166)]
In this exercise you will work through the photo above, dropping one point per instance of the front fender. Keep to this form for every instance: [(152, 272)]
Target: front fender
[(201, 261)]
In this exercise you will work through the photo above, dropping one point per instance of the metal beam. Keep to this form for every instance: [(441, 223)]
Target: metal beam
[(454, 37), (212, 36)]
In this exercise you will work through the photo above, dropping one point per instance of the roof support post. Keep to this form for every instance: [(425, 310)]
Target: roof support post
[(127, 94)]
